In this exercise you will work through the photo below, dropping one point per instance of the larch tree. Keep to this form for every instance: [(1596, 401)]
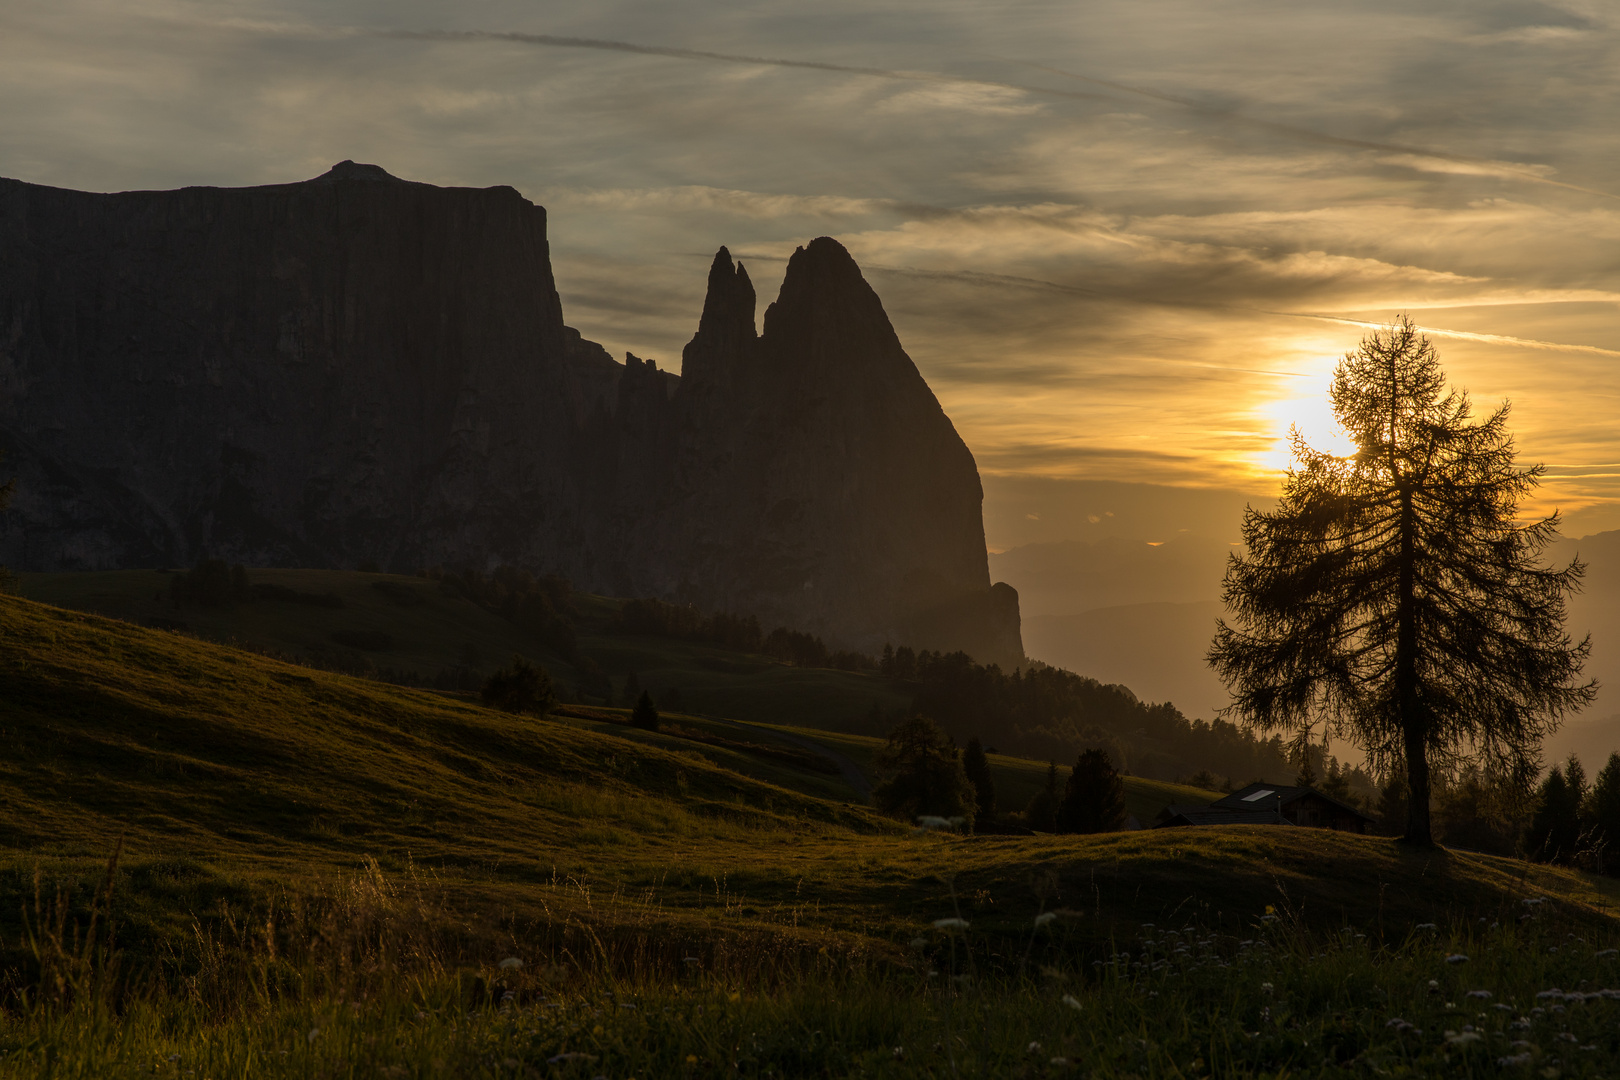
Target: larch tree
[(1394, 596)]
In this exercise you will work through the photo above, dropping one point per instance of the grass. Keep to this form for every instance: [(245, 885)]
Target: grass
[(1532, 996), (302, 850), (438, 632)]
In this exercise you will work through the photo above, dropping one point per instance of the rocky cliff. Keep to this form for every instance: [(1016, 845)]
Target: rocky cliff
[(358, 369)]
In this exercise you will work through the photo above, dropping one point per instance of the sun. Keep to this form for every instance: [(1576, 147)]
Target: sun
[(1313, 416)]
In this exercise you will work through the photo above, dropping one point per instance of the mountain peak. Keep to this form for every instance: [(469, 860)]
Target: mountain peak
[(725, 332), (353, 170)]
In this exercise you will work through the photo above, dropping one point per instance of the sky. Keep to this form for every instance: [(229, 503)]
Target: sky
[(1125, 241)]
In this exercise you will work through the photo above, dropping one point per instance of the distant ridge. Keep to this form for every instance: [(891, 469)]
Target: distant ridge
[(359, 369)]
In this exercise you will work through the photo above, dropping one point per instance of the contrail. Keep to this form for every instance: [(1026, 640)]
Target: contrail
[(608, 45), (1461, 335), (1079, 290)]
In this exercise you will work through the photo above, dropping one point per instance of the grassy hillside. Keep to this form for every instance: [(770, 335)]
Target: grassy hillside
[(230, 776), (326, 871), (431, 633)]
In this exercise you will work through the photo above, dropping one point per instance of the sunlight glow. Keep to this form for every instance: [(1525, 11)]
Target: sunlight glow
[(1313, 416)]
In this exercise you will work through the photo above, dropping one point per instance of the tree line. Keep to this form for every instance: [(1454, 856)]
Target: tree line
[(925, 778), (685, 622)]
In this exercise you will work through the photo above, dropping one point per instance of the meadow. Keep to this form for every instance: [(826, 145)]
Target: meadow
[(217, 863)]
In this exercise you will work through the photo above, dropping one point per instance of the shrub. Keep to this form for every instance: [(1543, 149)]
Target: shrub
[(521, 688)]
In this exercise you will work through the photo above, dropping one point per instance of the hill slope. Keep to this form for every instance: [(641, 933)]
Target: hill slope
[(234, 779)]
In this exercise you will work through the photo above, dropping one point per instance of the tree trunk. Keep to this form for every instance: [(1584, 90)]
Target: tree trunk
[(1411, 714), (1418, 829)]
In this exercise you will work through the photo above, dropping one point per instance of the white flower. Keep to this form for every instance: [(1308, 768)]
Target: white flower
[(1515, 1059), (950, 924), (1072, 1002), (1033, 1048), (1265, 988), (511, 963), (313, 1032), (1060, 1062), (919, 943), (1463, 1038), (1457, 958), (1483, 995), (1045, 917), (1425, 926)]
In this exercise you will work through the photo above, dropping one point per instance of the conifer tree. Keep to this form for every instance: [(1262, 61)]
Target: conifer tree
[(977, 768), (922, 774), (1556, 827), (1041, 813), (645, 714), (1603, 810), (1094, 798), (1394, 596)]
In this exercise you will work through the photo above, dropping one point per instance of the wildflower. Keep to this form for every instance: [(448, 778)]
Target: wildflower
[(899, 1051), (1072, 1002), (1270, 910), (1553, 993), (950, 924), (691, 960), (1434, 985), (1483, 995), (1511, 1060), (1265, 988), (1457, 958), (1045, 917), (511, 963), (691, 1059), (1426, 926), (1060, 1062), (919, 943), (1033, 1048), (314, 1031), (1463, 1038), (1600, 954)]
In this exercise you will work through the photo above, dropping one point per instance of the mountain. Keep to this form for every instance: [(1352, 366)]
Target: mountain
[(360, 370)]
